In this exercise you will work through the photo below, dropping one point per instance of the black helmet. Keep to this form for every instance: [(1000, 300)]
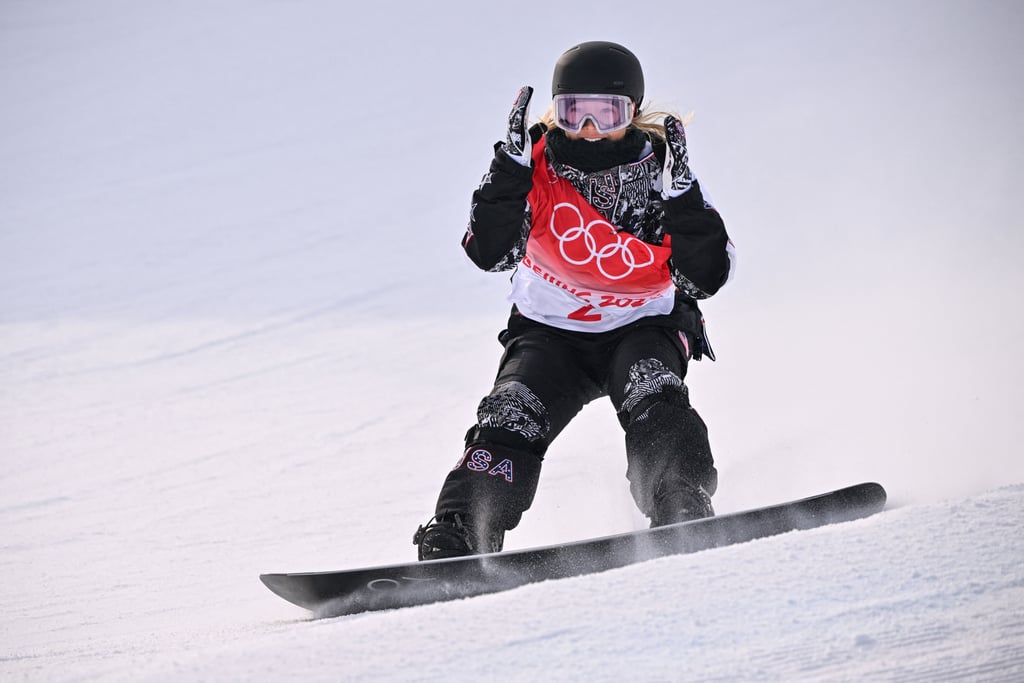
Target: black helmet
[(599, 67)]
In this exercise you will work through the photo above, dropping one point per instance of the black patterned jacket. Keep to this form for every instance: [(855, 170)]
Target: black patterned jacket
[(629, 197)]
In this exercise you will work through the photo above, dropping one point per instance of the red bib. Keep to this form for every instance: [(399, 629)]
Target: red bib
[(580, 272)]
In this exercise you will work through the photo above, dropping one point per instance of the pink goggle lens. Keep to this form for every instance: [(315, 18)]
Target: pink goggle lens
[(608, 112)]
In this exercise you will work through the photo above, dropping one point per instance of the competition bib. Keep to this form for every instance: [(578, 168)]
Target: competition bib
[(580, 272)]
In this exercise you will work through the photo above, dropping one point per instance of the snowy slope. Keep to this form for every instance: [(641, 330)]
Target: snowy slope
[(880, 597), (237, 335)]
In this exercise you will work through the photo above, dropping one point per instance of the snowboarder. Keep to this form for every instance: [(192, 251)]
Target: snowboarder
[(613, 241)]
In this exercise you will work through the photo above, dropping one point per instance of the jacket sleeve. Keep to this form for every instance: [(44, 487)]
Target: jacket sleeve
[(701, 250), (499, 221)]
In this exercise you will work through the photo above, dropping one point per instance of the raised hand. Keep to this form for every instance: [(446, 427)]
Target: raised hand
[(677, 178), (518, 144)]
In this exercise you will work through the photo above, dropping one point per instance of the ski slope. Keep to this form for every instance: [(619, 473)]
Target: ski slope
[(238, 335)]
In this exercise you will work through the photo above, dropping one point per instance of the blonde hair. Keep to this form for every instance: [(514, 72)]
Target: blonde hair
[(650, 122)]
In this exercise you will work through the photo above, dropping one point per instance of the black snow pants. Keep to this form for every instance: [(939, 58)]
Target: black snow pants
[(545, 377)]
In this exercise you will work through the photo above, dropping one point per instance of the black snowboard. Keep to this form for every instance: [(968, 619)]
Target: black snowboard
[(416, 583)]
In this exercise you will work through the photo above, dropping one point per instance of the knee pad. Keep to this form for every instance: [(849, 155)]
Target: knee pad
[(513, 408), (649, 380)]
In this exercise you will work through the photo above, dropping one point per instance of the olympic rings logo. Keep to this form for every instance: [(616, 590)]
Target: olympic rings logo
[(582, 244)]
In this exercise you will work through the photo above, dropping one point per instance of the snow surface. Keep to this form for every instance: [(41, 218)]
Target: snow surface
[(237, 335)]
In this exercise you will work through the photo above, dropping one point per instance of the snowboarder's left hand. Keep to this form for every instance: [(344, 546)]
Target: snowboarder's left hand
[(677, 178), (518, 144)]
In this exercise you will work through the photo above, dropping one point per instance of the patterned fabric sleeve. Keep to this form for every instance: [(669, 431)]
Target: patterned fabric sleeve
[(701, 250), (499, 221)]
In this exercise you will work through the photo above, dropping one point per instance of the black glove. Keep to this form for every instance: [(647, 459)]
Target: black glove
[(677, 178), (518, 144)]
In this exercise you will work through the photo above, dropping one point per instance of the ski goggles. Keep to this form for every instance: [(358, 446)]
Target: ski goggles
[(607, 112)]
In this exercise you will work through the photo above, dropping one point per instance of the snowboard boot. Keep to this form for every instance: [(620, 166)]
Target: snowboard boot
[(670, 469), (681, 505), (453, 535)]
